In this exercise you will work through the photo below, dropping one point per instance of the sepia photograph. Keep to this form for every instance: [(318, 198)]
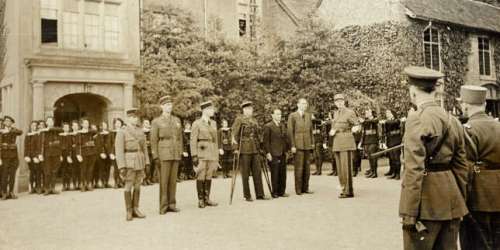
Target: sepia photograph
[(250, 124)]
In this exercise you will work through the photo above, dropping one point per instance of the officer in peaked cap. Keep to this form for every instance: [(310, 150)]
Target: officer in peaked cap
[(435, 175), (483, 150), (9, 158)]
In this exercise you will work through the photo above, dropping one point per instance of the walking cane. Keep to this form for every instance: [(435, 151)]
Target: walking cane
[(236, 166), (266, 173)]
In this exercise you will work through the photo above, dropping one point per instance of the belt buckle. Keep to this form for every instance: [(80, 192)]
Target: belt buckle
[(425, 172), (476, 168)]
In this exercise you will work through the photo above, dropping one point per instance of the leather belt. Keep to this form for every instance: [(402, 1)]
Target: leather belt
[(478, 166), (438, 167), (131, 151), (207, 140)]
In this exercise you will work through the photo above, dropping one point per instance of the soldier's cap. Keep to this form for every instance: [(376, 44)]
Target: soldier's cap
[(472, 94), (246, 104), (422, 77), (338, 97), (9, 118), (206, 104), (165, 99), (132, 112)]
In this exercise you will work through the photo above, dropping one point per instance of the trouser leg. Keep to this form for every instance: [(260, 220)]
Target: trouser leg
[(299, 170), (282, 176), (172, 184), (164, 176), (245, 161), (306, 171), (344, 162), (90, 170), (256, 168), (275, 175)]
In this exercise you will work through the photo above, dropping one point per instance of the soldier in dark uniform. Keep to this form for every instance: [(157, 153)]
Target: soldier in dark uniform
[(319, 144), (276, 144), (435, 176), (103, 162), (300, 133), (187, 160), (205, 153), (167, 147), (369, 140), (226, 148), (357, 154), (132, 158), (75, 168), (246, 139), (117, 125), (481, 230), (67, 163), (10, 160), (392, 133), (52, 155), (87, 155), (150, 172), (31, 153)]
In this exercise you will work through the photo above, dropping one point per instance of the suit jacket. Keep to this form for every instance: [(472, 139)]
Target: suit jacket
[(343, 121), (9, 146), (51, 142), (204, 140), (131, 148), (246, 132), (300, 131), (483, 132), (32, 145), (275, 139), (166, 138), (433, 195)]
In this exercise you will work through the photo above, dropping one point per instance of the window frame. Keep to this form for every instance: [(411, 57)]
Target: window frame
[(490, 58), (430, 28)]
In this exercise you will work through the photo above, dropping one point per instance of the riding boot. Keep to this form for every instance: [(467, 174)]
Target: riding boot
[(135, 212), (128, 204), (201, 194), (208, 186), (398, 173)]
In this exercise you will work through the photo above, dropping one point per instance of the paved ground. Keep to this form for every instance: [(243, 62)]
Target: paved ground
[(96, 220)]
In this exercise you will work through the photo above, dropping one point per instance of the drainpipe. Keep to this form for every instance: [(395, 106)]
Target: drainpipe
[(205, 17)]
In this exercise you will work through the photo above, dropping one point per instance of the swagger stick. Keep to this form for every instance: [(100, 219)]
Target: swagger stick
[(266, 173)]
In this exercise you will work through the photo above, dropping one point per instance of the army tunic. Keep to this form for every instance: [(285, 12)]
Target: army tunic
[(52, 154), (32, 151), (204, 145), (246, 135), (392, 132), (132, 153), (10, 160)]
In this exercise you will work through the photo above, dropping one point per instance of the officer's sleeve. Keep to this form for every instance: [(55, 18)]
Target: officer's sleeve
[(195, 130), (459, 161), (235, 131), (17, 132), (154, 139), (291, 129), (415, 153), (120, 149), (266, 136)]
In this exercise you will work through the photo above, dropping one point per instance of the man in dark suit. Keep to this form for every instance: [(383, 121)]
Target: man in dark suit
[(275, 145), (301, 137)]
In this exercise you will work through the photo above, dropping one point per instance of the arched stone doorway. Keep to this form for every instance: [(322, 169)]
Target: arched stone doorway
[(493, 99), (75, 106)]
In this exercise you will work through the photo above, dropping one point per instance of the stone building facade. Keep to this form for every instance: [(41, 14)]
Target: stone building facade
[(69, 59), (461, 38)]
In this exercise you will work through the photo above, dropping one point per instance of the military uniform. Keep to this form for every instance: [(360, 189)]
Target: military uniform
[(166, 144), (52, 156), (300, 133), (482, 229), (75, 173), (319, 140), (245, 131), (344, 145), (392, 132), (369, 141), (132, 158), (187, 161), (357, 154), (276, 143), (150, 172), (10, 160), (88, 154), (103, 162), (31, 152), (67, 162), (205, 152), (226, 144), (435, 175), (118, 182)]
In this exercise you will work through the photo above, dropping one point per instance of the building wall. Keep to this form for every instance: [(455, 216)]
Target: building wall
[(276, 22)]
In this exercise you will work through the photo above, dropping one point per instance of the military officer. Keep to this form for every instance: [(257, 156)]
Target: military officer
[(246, 139), (434, 181), (187, 159), (225, 148), (276, 144), (10, 160), (166, 144), (300, 133), (345, 122), (132, 158), (150, 172), (51, 155), (392, 134), (481, 230), (369, 140), (87, 155), (319, 144), (205, 152), (31, 152)]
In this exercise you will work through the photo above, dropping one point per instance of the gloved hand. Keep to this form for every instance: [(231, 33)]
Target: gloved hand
[(40, 157), (61, 158), (112, 157), (269, 157), (103, 156), (221, 151), (294, 150), (27, 159), (79, 158), (69, 160), (36, 160), (185, 154), (123, 172), (332, 132), (325, 146), (195, 161)]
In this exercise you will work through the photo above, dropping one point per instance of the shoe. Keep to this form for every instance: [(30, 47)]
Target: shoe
[(308, 192), (374, 175), (398, 176), (208, 186), (12, 196), (47, 192), (332, 174), (298, 193), (162, 212), (173, 209), (343, 196), (275, 196), (249, 199), (315, 173), (368, 172), (201, 203), (264, 198), (128, 205), (284, 195), (135, 201), (4, 196), (355, 173)]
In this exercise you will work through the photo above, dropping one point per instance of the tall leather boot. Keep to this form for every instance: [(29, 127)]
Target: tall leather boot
[(208, 186), (201, 194), (128, 204), (397, 173), (391, 171), (135, 211)]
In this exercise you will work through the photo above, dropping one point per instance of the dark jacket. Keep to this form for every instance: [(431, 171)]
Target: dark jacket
[(51, 142), (9, 146), (275, 139), (249, 130)]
